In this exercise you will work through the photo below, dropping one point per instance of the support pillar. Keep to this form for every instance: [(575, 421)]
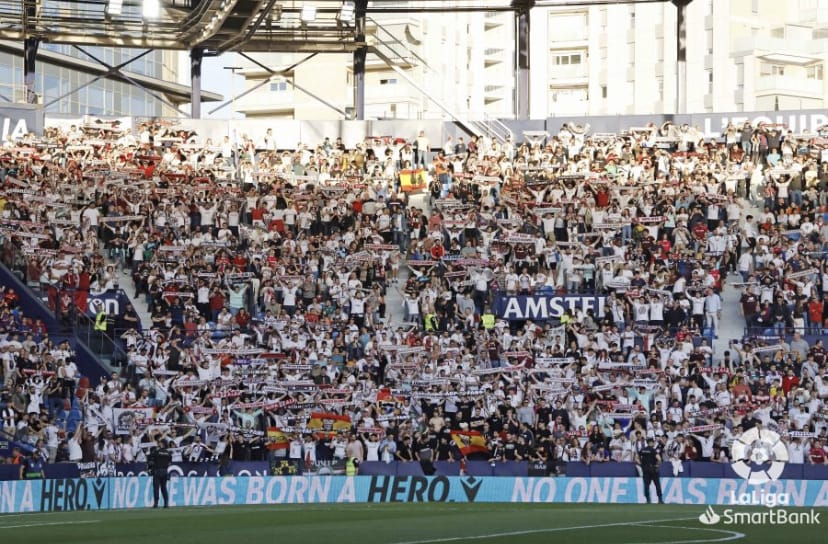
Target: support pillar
[(30, 46), (522, 60), (360, 56), (681, 55), (196, 56)]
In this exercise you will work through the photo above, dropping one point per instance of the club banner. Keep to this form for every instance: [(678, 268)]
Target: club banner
[(413, 180), (542, 307), (79, 494), (114, 302), (128, 420)]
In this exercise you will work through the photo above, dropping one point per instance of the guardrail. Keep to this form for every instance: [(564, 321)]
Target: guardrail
[(68, 495)]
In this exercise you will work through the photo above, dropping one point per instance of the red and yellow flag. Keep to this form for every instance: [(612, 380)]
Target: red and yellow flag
[(328, 424), (470, 442), (384, 395), (412, 180), (277, 440)]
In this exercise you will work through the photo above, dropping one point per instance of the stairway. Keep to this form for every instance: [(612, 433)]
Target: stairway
[(398, 56)]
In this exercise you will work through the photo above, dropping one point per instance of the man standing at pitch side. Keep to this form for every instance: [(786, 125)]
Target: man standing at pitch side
[(649, 460), (158, 462)]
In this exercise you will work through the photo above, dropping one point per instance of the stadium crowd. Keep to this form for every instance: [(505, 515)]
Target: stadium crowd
[(267, 275)]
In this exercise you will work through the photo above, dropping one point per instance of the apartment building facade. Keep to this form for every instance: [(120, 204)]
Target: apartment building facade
[(616, 59)]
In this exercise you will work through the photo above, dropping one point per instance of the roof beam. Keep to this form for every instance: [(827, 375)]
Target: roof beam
[(175, 92)]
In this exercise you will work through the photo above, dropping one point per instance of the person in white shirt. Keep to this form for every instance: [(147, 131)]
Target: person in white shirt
[(713, 310), (796, 452), (372, 445), (74, 444)]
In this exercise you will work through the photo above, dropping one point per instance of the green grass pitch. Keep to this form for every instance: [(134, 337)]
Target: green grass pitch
[(402, 524)]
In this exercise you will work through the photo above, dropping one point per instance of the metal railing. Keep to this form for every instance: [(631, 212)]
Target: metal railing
[(771, 334), (76, 323)]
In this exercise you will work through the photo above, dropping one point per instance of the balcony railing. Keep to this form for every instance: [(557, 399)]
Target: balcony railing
[(790, 84), (568, 71)]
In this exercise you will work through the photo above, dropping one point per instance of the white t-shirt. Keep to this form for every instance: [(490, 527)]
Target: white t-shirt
[(357, 306), (75, 452), (372, 451)]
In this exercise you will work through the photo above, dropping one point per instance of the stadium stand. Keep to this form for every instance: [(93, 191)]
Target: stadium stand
[(542, 306)]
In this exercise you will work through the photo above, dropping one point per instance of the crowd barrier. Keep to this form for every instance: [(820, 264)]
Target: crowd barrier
[(515, 469), (76, 494)]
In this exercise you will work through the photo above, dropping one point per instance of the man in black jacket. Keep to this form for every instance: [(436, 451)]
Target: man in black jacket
[(158, 462), (649, 459)]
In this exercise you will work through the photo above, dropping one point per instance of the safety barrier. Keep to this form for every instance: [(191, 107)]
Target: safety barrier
[(66, 495)]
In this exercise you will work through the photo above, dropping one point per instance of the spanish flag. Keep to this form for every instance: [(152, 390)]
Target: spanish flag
[(277, 440), (412, 180), (327, 424), (469, 442), (384, 396)]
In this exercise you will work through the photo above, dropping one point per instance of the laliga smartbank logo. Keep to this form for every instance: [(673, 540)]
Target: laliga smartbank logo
[(759, 456), (759, 448), (773, 516)]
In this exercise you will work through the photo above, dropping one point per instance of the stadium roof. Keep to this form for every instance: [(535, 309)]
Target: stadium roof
[(222, 25)]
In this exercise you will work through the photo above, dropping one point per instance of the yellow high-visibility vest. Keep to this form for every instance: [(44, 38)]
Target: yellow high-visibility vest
[(488, 321), (100, 322)]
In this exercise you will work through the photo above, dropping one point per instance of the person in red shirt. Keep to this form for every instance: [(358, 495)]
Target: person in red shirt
[(789, 381), (666, 246), (17, 459), (602, 196), (242, 319), (216, 302), (222, 262), (257, 214), (11, 298), (815, 307), (700, 231), (240, 262), (816, 455)]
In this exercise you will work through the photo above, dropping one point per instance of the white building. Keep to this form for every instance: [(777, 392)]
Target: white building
[(620, 59), (613, 59), (464, 62)]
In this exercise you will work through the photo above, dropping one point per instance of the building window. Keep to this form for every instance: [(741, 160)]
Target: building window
[(566, 59), (278, 86), (769, 69), (815, 71), (389, 81), (603, 91)]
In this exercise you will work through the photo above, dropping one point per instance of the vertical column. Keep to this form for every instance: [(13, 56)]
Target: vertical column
[(360, 55), (681, 54), (196, 56), (30, 46), (522, 60)]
